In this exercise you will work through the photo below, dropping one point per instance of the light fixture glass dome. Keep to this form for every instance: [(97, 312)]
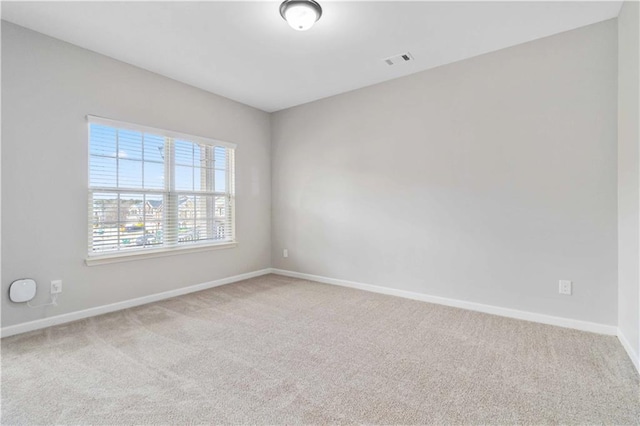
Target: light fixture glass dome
[(300, 14)]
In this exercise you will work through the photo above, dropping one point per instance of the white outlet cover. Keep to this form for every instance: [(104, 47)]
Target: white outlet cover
[(565, 287), (22, 290), (56, 286)]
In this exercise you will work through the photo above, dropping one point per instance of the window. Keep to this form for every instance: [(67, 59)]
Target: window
[(153, 190)]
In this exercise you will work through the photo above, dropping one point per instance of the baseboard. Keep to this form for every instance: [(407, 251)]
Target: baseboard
[(489, 309), (627, 347), (610, 330), (99, 310)]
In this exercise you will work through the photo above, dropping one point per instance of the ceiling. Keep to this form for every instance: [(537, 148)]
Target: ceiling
[(246, 52)]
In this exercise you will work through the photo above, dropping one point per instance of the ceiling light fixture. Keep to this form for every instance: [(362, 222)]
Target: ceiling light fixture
[(300, 14)]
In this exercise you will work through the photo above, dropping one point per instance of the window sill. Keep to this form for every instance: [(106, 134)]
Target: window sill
[(153, 253)]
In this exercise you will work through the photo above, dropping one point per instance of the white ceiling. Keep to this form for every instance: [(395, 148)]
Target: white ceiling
[(246, 52)]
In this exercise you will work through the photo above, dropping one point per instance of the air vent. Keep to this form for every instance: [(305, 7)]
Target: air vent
[(399, 59)]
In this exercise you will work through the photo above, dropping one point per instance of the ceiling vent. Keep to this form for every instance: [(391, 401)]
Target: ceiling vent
[(399, 59)]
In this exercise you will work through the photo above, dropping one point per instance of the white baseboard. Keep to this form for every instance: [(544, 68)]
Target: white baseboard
[(610, 330), (627, 346), (99, 310), (495, 310)]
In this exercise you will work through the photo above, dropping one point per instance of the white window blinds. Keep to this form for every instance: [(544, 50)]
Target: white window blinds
[(156, 189)]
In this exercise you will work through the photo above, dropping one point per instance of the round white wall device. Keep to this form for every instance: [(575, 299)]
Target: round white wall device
[(22, 290)]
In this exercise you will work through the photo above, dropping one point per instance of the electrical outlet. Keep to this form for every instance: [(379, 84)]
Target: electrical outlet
[(56, 286), (564, 287), (285, 253)]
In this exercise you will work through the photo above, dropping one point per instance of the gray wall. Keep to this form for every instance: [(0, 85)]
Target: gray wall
[(486, 180), (48, 87), (628, 174)]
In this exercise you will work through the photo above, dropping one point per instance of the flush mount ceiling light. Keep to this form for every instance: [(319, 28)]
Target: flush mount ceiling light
[(300, 14)]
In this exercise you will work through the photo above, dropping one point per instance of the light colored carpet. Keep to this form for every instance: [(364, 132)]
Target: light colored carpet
[(276, 350)]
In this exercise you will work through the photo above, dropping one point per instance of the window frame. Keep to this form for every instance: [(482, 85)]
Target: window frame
[(169, 191)]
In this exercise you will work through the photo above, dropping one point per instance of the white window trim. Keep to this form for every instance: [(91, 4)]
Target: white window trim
[(149, 253), (152, 253), (173, 134)]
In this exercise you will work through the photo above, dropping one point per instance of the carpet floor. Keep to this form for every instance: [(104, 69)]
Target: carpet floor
[(277, 350)]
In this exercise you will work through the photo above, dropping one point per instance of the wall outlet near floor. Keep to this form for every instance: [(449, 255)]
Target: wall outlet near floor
[(56, 286), (285, 253), (564, 287)]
